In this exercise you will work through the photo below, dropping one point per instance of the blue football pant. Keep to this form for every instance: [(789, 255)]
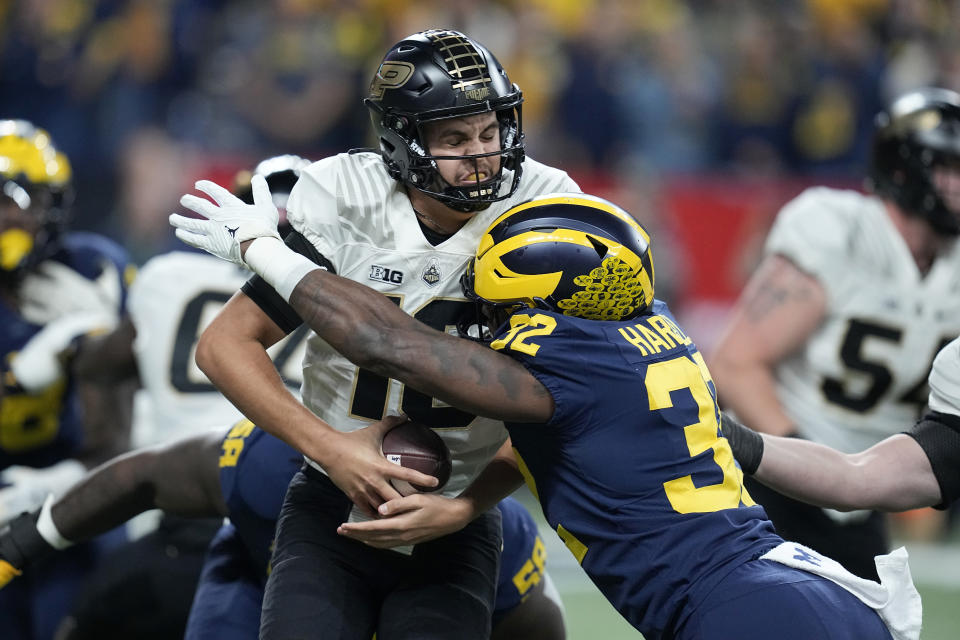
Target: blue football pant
[(764, 599)]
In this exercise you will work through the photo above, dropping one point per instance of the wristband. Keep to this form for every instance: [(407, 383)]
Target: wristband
[(47, 530), (746, 443), (278, 265)]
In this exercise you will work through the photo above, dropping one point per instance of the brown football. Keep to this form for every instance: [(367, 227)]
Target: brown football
[(417, 446)]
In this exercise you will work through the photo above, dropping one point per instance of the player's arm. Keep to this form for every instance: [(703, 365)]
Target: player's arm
[(357, 321), (180, 477), (778, 310), (105, 371), (107, 357), (373, 333), (232, 352), (893, 475)]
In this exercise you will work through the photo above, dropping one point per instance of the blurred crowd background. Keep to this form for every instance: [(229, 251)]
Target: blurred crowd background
[(700, 116)]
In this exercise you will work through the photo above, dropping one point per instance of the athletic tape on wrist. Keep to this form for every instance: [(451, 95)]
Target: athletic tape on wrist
[(281, 267), (47, 530)]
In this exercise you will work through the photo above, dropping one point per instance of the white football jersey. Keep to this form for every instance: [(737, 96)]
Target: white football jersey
[(945, 380), (173, 299), (862, 375), (361, 219)]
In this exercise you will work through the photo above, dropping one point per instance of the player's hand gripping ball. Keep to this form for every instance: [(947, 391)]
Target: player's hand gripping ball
[(417, 446)]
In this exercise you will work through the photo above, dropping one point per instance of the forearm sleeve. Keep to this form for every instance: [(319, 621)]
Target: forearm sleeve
[(746, 443), (938, 434)]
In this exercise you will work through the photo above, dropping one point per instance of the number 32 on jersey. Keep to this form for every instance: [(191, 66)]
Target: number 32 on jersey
[(661, 378)]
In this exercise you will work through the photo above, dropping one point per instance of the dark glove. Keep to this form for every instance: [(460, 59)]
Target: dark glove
[(20, 546)]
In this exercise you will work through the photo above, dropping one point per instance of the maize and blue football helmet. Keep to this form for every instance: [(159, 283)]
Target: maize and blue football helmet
[(35, 178), (571, 253)]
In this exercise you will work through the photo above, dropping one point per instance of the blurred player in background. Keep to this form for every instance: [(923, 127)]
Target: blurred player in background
[(917, 468), (243, 474), (56, 286), (174, 297), (833, 336), (404, 218)]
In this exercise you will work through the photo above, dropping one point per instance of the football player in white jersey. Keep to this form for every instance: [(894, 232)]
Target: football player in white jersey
[(405, 220), (174, 297), (916, 468), (833, 336)]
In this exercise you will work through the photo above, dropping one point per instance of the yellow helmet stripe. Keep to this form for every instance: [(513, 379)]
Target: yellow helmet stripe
[(514, 286), (575, 199)]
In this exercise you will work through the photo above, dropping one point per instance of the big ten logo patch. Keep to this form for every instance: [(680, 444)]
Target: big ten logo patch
[(383, 274), (232, 445)]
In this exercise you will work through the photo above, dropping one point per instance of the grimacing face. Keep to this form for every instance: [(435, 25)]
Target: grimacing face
[(465, 136)]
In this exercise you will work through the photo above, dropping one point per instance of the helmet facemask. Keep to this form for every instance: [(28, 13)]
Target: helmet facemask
[(438, 75), (420, 170)]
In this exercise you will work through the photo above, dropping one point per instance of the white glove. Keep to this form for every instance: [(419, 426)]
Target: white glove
[(29, 487), (229, 222), (39, 363), (54, 290)]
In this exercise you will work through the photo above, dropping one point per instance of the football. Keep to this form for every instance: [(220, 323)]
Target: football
[(417, 446)]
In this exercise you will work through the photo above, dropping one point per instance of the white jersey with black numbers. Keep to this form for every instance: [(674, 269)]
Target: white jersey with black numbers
[(862, 375), (945, 380), (173, 299), (361, 220)]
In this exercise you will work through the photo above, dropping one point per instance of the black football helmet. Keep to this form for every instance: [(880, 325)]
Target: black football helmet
[(36, 178), (438, 74), (281, 172), (918, 132), (575, 254)]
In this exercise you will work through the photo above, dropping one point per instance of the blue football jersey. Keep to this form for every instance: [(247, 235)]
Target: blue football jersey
[(40, 429), (632, 470)]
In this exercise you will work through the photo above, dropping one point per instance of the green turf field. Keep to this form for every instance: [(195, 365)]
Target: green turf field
[(935, 568)]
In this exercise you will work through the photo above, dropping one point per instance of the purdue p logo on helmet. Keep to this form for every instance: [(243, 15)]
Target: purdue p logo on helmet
[(575, 254)]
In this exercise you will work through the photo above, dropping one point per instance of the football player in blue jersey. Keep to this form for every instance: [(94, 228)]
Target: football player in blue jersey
[(242, 474), (55, 287), (612, 415)]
